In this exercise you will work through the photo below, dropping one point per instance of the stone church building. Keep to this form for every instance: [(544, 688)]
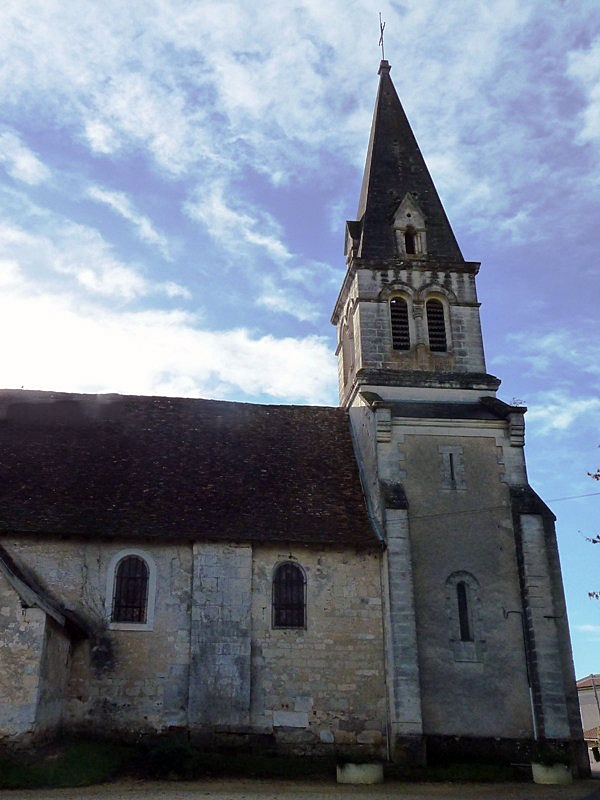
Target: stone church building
[(377, 577)]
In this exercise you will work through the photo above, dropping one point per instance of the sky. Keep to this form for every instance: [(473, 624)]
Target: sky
[(175, 176)]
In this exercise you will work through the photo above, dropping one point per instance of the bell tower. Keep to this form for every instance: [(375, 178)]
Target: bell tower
[(478, 654), (407, 315)]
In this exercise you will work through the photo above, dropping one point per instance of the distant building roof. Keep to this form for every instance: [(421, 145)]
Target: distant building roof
[(171, 468), (589, 682)]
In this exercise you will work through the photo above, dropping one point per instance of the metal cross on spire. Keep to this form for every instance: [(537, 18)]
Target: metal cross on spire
[(381, 29)]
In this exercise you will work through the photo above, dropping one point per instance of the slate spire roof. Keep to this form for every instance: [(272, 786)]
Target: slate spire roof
[(394, 167)]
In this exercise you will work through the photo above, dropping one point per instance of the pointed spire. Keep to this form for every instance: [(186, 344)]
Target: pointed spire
[(395, 168)]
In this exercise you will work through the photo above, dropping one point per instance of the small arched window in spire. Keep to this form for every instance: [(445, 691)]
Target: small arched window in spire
[(400, 325), (464, 614), (436, 326), (409, 242)]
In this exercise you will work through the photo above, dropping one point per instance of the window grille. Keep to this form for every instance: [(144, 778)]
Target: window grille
[(436, 326), (289, 597), (130, 600), (400, 326)]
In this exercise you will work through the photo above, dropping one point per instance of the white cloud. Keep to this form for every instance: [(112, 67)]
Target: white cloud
[(518, 228), (121, 204), (198, 102), (60, 343), (185, 86), (284, 301), (588, 629), (100, 136), (542, 352), (557, 411), (20, 162), (106, 278), (10, 273), (60, 247), (238, 229), (584, 67)]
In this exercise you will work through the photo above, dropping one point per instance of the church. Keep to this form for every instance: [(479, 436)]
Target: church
[(375, 579)]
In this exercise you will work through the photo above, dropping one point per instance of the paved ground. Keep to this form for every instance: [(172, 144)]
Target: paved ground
[(288, 790)]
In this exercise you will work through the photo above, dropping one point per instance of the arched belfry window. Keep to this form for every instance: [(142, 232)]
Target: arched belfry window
[(436, 326), (130, 601), (289, 596), (400, 324)]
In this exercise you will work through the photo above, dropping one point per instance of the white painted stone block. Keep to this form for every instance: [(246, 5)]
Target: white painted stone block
[(290, 719), (557, 774), (360, 773)]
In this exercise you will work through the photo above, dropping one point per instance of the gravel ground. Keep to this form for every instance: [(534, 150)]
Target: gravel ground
[(289, 790)]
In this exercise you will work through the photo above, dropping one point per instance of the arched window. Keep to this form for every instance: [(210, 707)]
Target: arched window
[(130, 597), (131, 590), (400, 325), (289, 596), (463, 605), (410, 228), (436, 326), (464, 612)]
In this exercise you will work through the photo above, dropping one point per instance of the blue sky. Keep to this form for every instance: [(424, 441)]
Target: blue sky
[(176, 174)]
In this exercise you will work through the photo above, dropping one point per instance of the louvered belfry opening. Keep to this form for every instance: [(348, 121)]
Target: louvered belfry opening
[(400, 327), (436, 326), (131, 590), (289, 606)]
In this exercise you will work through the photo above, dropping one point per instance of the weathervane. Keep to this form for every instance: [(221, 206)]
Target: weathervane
[(381, 28)]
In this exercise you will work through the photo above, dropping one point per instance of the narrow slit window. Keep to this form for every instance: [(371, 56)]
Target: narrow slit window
[(400, 325), (452, 470), (289, 597), (464, 619), (130, 600), (347, 350), (436, 326), (452, 467)]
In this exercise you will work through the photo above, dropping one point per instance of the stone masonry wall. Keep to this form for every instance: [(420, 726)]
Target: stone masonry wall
[(128, 680), (477, 687), (212, 661), (54, 676), (324, 684), (368, 295), (221, 630), (405, 688), (22, 633), (542, 619)]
